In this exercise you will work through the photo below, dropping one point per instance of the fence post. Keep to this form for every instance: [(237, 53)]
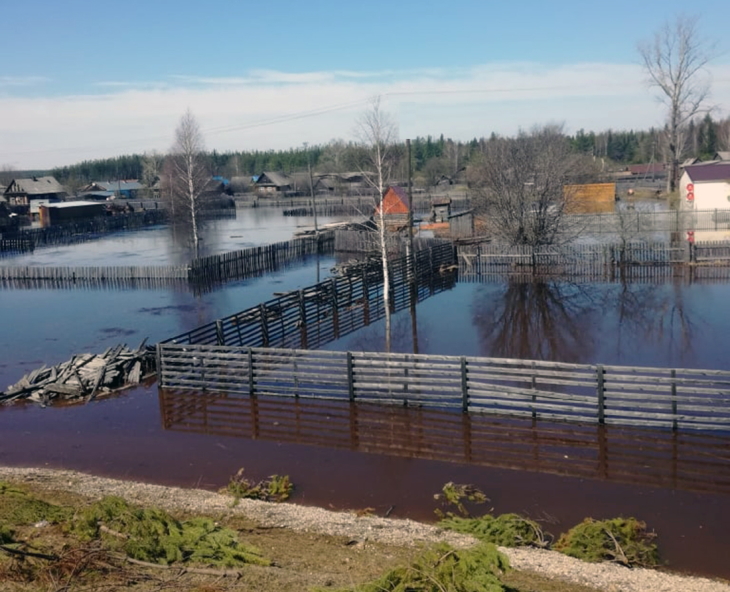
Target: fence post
[(674, 399), (264, 325), (335, 308), (350, 377), (221, 338), (534, 388), (303, 321), (600, 391), (464, 386), (158, 363), (251, 384)]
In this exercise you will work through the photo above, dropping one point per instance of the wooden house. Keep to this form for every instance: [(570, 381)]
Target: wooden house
[(270, 182), (128, 189), (25, 195)]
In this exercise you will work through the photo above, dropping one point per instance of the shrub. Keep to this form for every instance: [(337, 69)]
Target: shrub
[(622, 540), (443, 568), (455, 494), (20, 508), (276, 488), (507, 530), (155, 536)]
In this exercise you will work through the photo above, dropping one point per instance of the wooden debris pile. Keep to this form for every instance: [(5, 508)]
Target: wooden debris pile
[(84, 376)]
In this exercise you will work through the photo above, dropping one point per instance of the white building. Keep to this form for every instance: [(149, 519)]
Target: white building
[(704, 191)]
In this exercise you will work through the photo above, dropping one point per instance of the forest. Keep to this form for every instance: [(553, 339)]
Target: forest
[(432, 157)]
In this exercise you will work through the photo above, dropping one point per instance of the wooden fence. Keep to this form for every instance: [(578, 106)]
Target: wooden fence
[(254, 261), (201, 274), (679, 459), (79, 231), (368, 241), (318, 314), (630, 224), (589, 259), (610, 395)]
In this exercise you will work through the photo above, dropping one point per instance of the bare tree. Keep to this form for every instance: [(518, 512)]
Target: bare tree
[(674, 61), (7, 174), (377, 132), (519, 186), (188, 174)]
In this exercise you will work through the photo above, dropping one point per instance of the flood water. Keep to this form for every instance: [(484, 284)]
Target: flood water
[(363, 456)]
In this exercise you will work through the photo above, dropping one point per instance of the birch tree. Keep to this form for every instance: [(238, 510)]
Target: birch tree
[(188, 174), (675, 62), (377, 132)]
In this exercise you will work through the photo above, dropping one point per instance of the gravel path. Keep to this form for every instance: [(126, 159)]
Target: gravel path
[(606, 576)]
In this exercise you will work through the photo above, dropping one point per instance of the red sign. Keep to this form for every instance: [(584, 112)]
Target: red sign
[(690, 187), (690, 236), (690, 196)]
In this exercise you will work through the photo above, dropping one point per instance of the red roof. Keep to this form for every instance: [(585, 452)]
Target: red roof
[(709, 172), (395, 201)]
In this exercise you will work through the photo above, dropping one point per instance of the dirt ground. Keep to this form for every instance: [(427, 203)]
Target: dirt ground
[(306, 548)]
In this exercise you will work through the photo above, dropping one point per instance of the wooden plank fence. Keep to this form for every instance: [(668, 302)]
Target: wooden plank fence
[(321, 313), (685, 460), (589, 259), (538, 390), (254, 261), (201, 274), (80, 230), (367, 241)]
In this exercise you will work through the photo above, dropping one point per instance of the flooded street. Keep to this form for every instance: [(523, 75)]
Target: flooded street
[(353, 457)]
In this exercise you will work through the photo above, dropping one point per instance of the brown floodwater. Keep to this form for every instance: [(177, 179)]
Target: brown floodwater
[(356, 456)]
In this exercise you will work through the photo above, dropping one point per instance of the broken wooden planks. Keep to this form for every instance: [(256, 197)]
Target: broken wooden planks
[(83, 376)]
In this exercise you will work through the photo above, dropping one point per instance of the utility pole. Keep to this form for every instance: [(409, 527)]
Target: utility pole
[(311, 191), (410, 215)]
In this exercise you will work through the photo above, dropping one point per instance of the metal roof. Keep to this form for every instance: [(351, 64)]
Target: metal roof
[(37, 186), (715, 171)]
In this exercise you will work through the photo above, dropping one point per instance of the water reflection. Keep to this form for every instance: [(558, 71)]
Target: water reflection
[(689, 461), (564, 321), (538, 320)]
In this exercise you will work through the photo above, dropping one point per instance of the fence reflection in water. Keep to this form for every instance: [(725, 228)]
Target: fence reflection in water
[(680, 460)]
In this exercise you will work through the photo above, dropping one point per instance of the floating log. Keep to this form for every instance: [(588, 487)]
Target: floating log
[(84, 376)]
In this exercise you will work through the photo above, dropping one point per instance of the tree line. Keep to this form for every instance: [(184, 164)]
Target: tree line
[(432, 157)]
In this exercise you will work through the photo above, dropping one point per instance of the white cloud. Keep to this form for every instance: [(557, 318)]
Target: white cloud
[(266, 109)]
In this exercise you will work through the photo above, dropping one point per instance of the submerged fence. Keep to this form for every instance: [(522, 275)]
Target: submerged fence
[(589, 259), (79, 231), (683, 460), (201, 274), (316, 315), (618, 395)]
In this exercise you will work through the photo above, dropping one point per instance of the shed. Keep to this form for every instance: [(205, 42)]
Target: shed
[(705, 186), (70, 211), (440, 209), (590, 198)]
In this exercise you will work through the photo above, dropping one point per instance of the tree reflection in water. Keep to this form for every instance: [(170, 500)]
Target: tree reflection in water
[(538, 320), (545, 319)]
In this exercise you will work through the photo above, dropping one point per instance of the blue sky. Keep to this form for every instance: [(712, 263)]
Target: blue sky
[(83, 79)]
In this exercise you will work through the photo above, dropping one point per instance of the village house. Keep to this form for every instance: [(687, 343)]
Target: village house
[(129, 189), (24, 196), (272, 183), (394, 206)]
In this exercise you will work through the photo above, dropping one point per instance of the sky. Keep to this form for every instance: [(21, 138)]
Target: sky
[(84, 79)]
